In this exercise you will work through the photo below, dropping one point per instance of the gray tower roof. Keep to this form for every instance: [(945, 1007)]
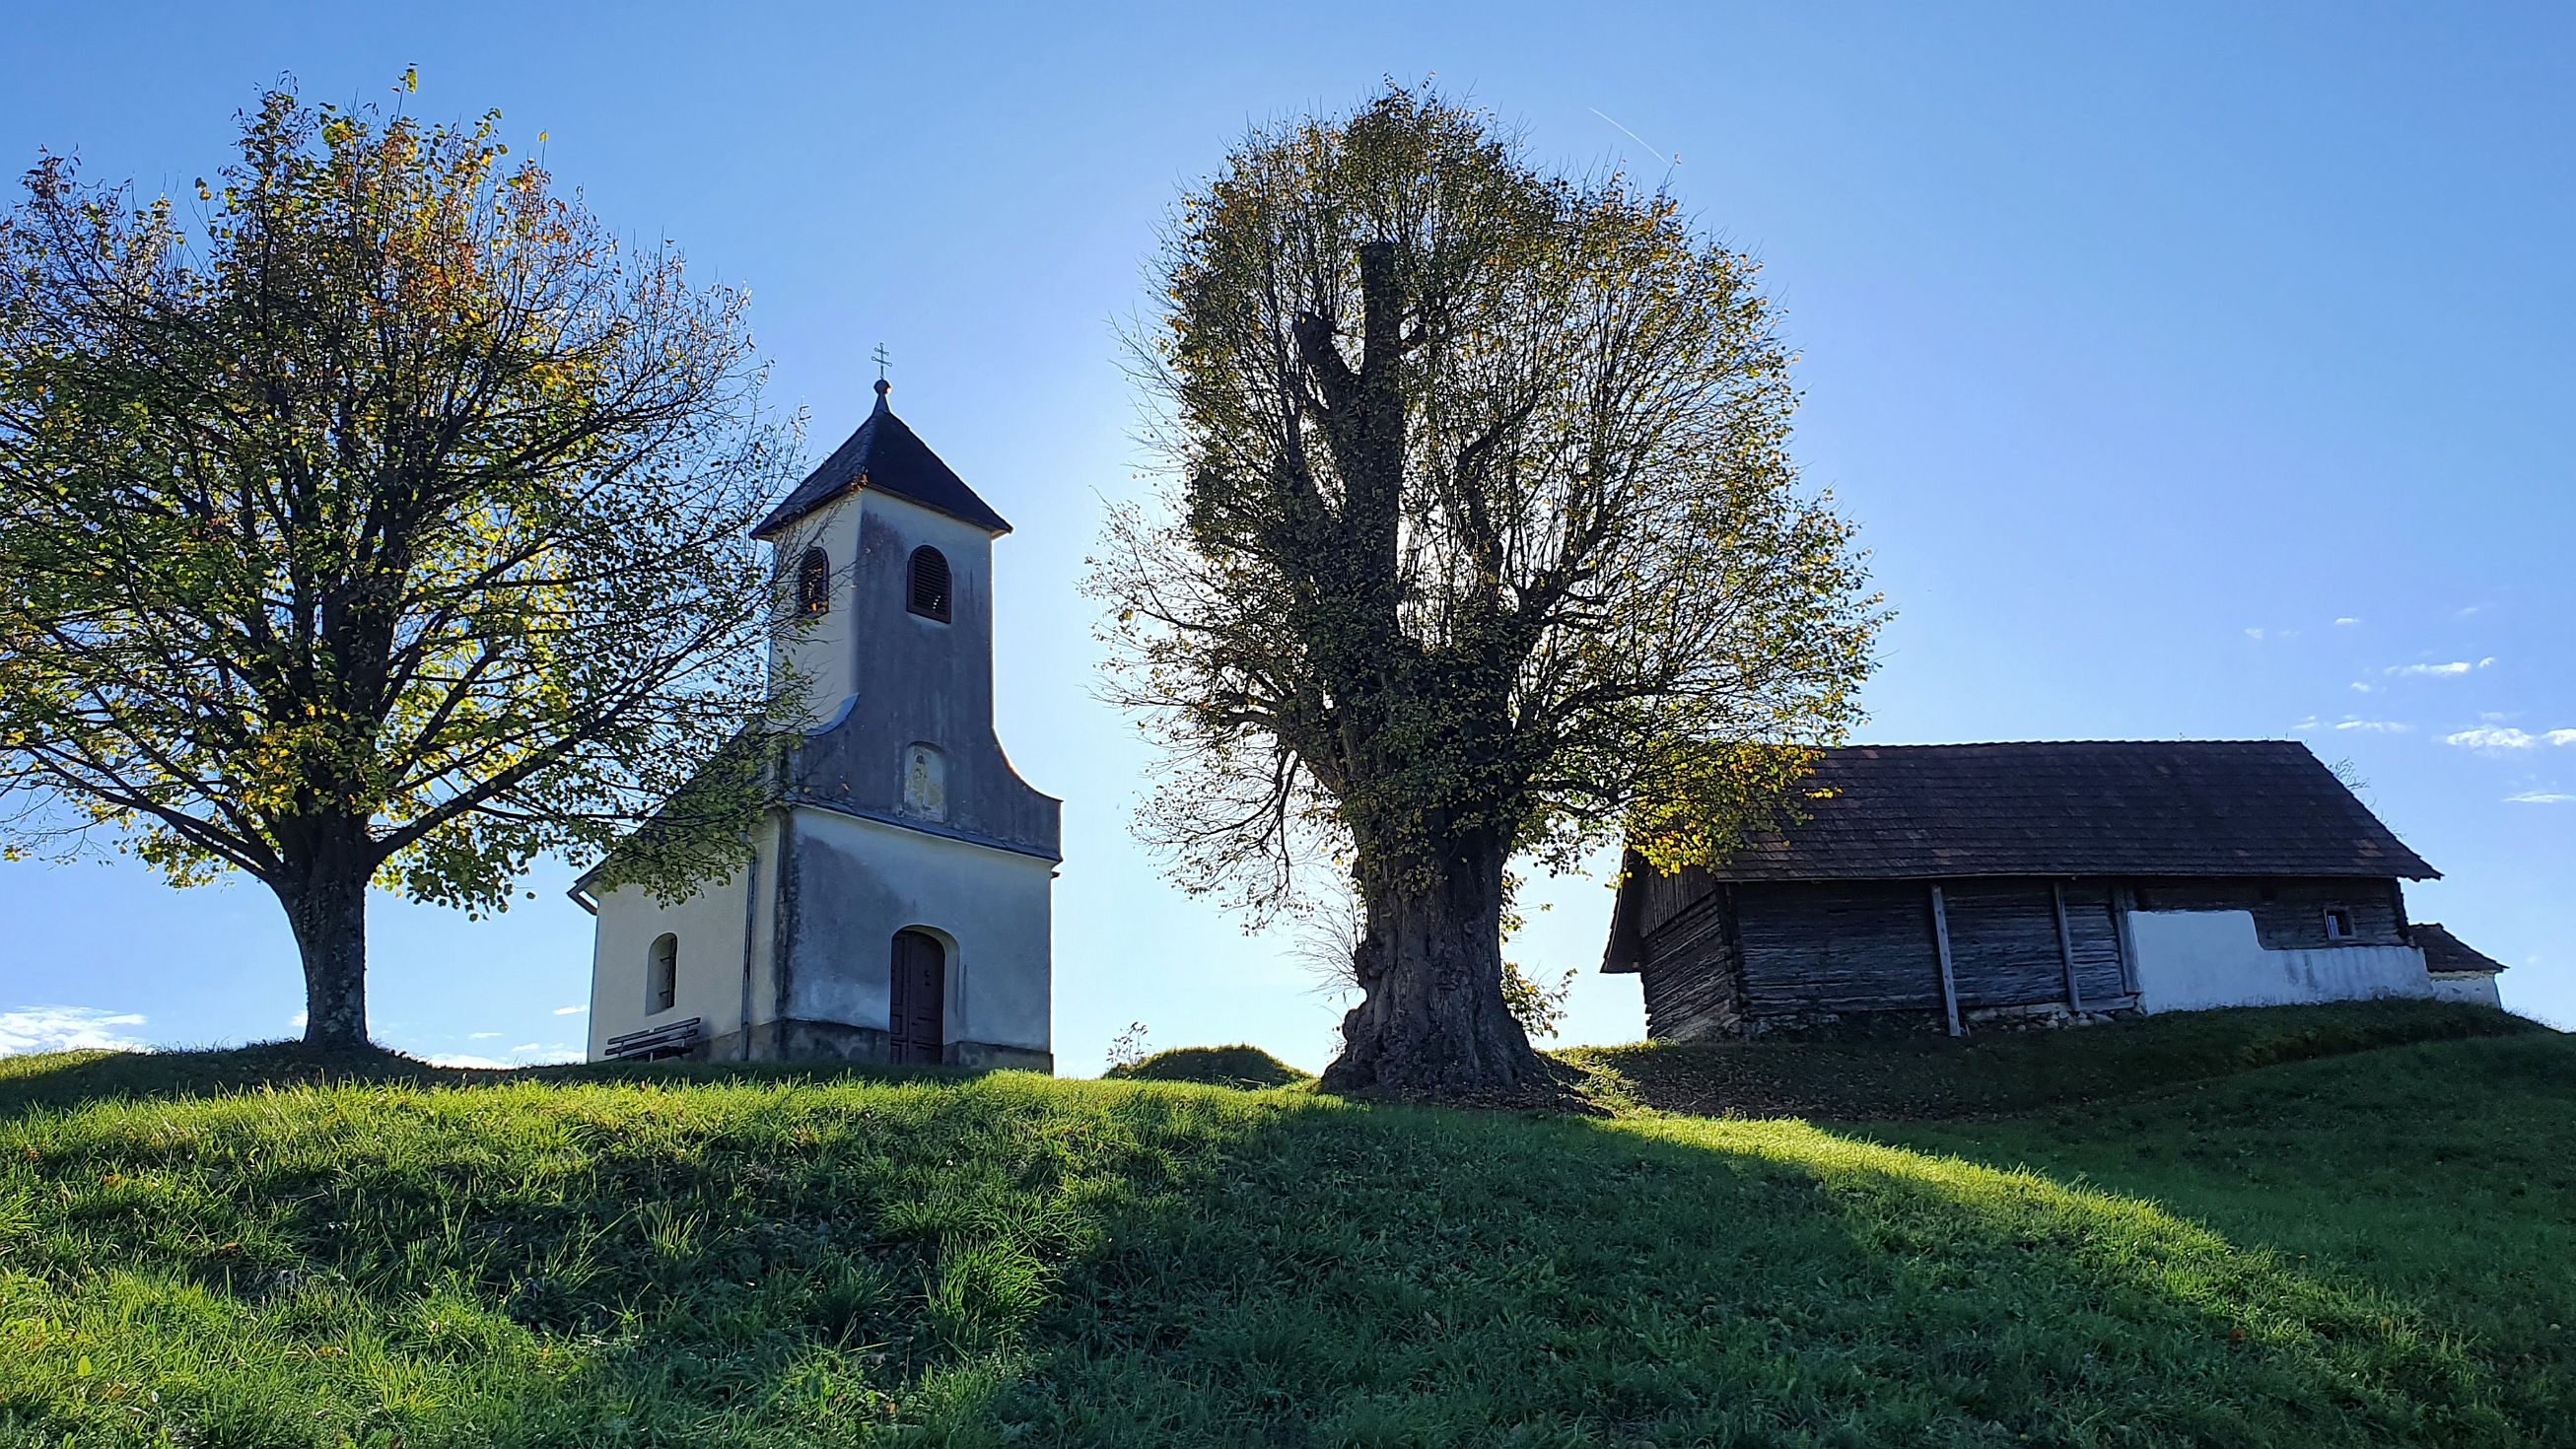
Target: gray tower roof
[(889, 457)]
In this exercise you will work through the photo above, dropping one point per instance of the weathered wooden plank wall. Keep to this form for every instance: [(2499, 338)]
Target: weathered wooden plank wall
[(1663, 897), (1689, 976), (2094, 933), (2003, 943), (1789, 951), (2289, 914), (1842, 947)]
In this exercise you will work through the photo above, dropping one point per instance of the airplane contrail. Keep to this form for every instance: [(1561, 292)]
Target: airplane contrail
[(1640, 140)]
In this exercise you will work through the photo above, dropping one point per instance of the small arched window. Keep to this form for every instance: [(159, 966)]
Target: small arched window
[(814, 583), (662, 975), (930, 584)]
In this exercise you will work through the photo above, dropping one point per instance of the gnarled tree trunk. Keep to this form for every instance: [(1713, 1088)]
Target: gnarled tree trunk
[(1432, 1022)]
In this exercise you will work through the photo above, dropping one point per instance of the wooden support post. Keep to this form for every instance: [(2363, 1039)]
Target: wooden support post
[(1941, 942), (2122, 901), (2066, 947)]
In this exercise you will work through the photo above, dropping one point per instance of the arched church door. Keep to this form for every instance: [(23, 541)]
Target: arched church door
[(917, 1025)]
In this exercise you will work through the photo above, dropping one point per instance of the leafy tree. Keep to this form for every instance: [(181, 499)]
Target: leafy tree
[(1537, 1006), (1481, 541), (388, 529)]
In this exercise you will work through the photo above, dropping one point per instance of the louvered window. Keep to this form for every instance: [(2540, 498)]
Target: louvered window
[(814, 583), (930, 593)]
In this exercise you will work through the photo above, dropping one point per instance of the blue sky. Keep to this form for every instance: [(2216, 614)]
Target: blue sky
[(2193, 371)]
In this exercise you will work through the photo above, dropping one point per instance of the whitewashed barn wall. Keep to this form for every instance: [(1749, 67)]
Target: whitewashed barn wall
[(2195, 960), (2476, 988)]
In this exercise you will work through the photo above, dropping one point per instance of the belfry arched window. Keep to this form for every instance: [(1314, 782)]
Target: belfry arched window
[(814, 583), (930, 589)]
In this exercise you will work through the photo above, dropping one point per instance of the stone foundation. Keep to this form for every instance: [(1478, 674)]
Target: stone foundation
[(1868, 1026), (832, 1041), (985, 1056)]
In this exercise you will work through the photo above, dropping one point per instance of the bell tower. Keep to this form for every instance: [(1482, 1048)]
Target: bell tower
[(899, 908)]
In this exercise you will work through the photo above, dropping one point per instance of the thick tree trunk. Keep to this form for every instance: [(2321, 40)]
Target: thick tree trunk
[(1432, 1021), (328, 911)]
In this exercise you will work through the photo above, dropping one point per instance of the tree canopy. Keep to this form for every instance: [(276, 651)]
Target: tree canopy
[(1481, 539), (385, 521)]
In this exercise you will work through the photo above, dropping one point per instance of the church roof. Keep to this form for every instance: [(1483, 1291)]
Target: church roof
[(887, 456)]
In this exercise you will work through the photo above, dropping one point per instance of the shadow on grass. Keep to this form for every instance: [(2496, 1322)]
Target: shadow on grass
[(64, 1080), (1009, 1259), (2020, 1071), (1403, 1277), (2443, 1174)]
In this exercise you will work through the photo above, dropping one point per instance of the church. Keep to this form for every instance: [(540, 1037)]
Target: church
[(897, 905)]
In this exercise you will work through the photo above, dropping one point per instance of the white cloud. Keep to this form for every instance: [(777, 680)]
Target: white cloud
[(480, 1064), (2540, 797), (531, 1054), (2364, 687), (66, 1029), (482, 1036), (2490, 737), (2255, 634), (296, 1022), (2451, 670), (2305, 725), (572, 1011), (2505, 737), (2346, 622), (2374, 726)]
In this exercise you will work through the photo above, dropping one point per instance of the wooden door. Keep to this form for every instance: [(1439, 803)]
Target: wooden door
[(916, 1025)]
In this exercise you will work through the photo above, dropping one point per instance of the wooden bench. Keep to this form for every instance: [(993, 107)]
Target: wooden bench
[(675, 1039)]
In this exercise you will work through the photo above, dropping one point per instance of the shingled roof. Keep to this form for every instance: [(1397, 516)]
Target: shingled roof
[(2083, 807), (887, 456), (2445, 953)]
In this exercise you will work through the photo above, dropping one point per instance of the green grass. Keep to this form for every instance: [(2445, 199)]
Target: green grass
[(2357, 1249), (1225, 1066), (2007, 1072)]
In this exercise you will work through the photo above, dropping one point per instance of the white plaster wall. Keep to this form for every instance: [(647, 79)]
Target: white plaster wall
[(2194, 960), (710, 927), (822, 649), (862, 880), (966, 546), (2475, 988)]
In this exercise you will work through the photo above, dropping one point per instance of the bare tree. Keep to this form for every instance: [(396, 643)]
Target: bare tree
[(390, 529), (1481, 541)]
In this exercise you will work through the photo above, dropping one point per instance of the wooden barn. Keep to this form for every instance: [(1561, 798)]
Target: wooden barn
[(1947, 887)]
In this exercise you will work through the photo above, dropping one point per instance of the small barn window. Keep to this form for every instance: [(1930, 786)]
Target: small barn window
[(814, 583), (2339, 923), (930, 584), (662, 976)]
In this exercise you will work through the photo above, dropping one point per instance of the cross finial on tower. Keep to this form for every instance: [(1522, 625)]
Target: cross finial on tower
[(882, 361)]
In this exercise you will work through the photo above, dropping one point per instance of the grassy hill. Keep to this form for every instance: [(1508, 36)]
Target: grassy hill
[(1225, 1066), (2366, 1246)]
